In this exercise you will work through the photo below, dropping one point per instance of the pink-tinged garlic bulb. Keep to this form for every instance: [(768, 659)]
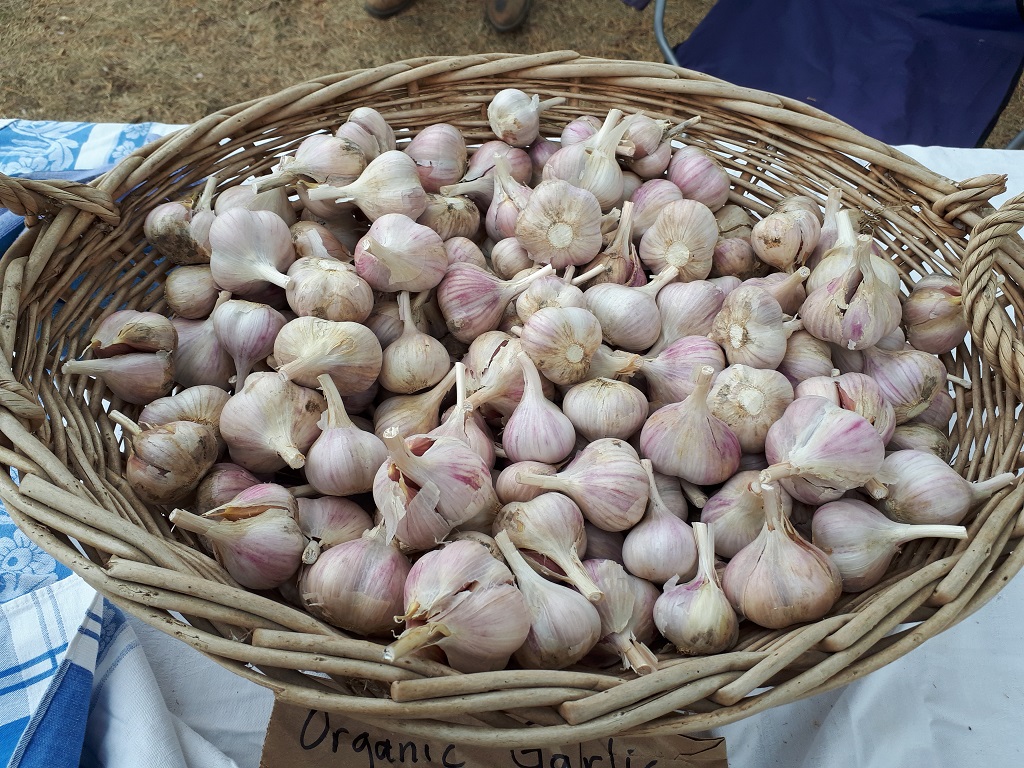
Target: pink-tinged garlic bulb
[(697, 617), (473, 300), (136, 377), (648, 200), (750, 400), (784, 239), (683, 236), (200, 358), (627, 615), (861, 541), (688, 441), (270, 423), (564, 625), (357, 585), (428, 486), (537, 430), (509, 199), (328, 521), (478, 183), (818, 450), (629, 317), (397, 254), (246, 330), (909, 379), (780, 579), (671, 374), (752, 328), (508, 487), (319, 158), (201, 404), (250, 250), (221, 484), (315, 241), (259, 552), (619, 261), (413, 414), (465, 424), (451, 217), (858, 393), (180, 230), (540, 150), (307, 347), (549, 291), (737, 512), (605, 407), (343, 459), (462, 250), (254, 500), (934, 316), (494, 377), (561, 341), (591, 164), (661, 546), (856, 309), (190, 291), (362, 138), (514, 116), (787, 288), (687, 309), (477, 633), (245, 196), (733, 257), (805, 358), (328, 289), (374, 123), (699, 176), (128, 330), (605, 479), (415, 360), (923, 489), (440, 154), (390, 183), (509, 258), (561, 224), (829, 228), (549, 526)]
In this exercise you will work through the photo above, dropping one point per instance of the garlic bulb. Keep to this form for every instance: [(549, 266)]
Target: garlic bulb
[(440, 154), (909, 379), (478, 632), (319, 158), (683, 236), (697, 617), (561, 342), (128, 330), (429, 485), (561, 224), (737, 512), (494, 376), (246, 331), (201, 404), (478, 183), (605, 479), (687, 309), (328, 521), (136, 377), (390, 183), (591, 164), (788, 289), (861, 541), (508, 201), (397, 254), (465, 424), (509, 258), (315, 241), (413, 361), (465, 251), (933, 314), (200, 357), (343, 459), (328, 289), (260, 552), (699, 176), (508, 487), (648, 200), (605, 408), (784, 239), (780, 579), (166, 462), (923, 489), (357, 585), (629, 317), (373, 122), (920, 437), (548, 291), (750, 400), (858, 393), (805, 358), (472, 300), (250, 250), (308, 346), (245, 196), (564, 625), (190, 291), (451, 217), (734, 257), (413, 414), (537, 430), (550, 525), (661, 546), (602, 544), (254, 500), (514, 116), (270, 423), (752, 328), (686, 440), (819, 451), (627, 615), (221, 484)]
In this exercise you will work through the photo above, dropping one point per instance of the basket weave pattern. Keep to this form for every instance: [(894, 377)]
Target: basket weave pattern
[(84, 254)]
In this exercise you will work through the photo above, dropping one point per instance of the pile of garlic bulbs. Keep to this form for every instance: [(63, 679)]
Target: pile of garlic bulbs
[(464, 400)]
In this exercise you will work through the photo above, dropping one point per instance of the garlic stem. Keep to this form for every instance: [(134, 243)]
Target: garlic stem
[(336, 416), (125, 423), (291, 455), (876, 489), (580, 579), (589, 274), (965, 383), (983, 489), (909, 531), (776, 472), (693, 493), (194, 523), (704, 535), (415, 639), (638, 656)]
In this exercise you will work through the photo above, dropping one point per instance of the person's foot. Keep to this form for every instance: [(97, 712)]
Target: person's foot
[(381, 9), (506, 15)]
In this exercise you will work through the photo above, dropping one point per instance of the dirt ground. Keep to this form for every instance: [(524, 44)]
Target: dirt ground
[(178, 60)]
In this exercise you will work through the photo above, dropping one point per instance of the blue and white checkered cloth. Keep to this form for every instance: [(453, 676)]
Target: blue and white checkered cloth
[(76, 688)]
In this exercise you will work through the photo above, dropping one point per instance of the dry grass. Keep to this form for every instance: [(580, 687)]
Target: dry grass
[(178, 60)]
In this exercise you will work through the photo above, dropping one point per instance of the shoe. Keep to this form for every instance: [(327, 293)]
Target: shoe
[(506, 15), (381, 9)]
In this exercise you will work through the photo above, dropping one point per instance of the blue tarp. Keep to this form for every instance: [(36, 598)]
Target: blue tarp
[(927, 72)]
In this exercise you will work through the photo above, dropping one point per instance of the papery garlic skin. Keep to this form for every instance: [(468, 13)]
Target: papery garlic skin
[(168, 461), (307, 347), (397, 254), (561, 342), (682, 236), (627, 615), (661, 546), (605, 408), (328, 289), (128, 330), (737, 512), (514, 116), (250, 249), (750, 400), (537, 430), (561, 225), (696, 616)]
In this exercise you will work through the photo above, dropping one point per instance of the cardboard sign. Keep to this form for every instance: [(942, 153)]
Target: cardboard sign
[(303, 738)]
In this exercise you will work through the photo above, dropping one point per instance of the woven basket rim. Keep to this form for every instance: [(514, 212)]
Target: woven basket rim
[(129, 555)]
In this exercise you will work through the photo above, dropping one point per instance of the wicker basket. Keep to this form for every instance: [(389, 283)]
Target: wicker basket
[(84, 255)]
